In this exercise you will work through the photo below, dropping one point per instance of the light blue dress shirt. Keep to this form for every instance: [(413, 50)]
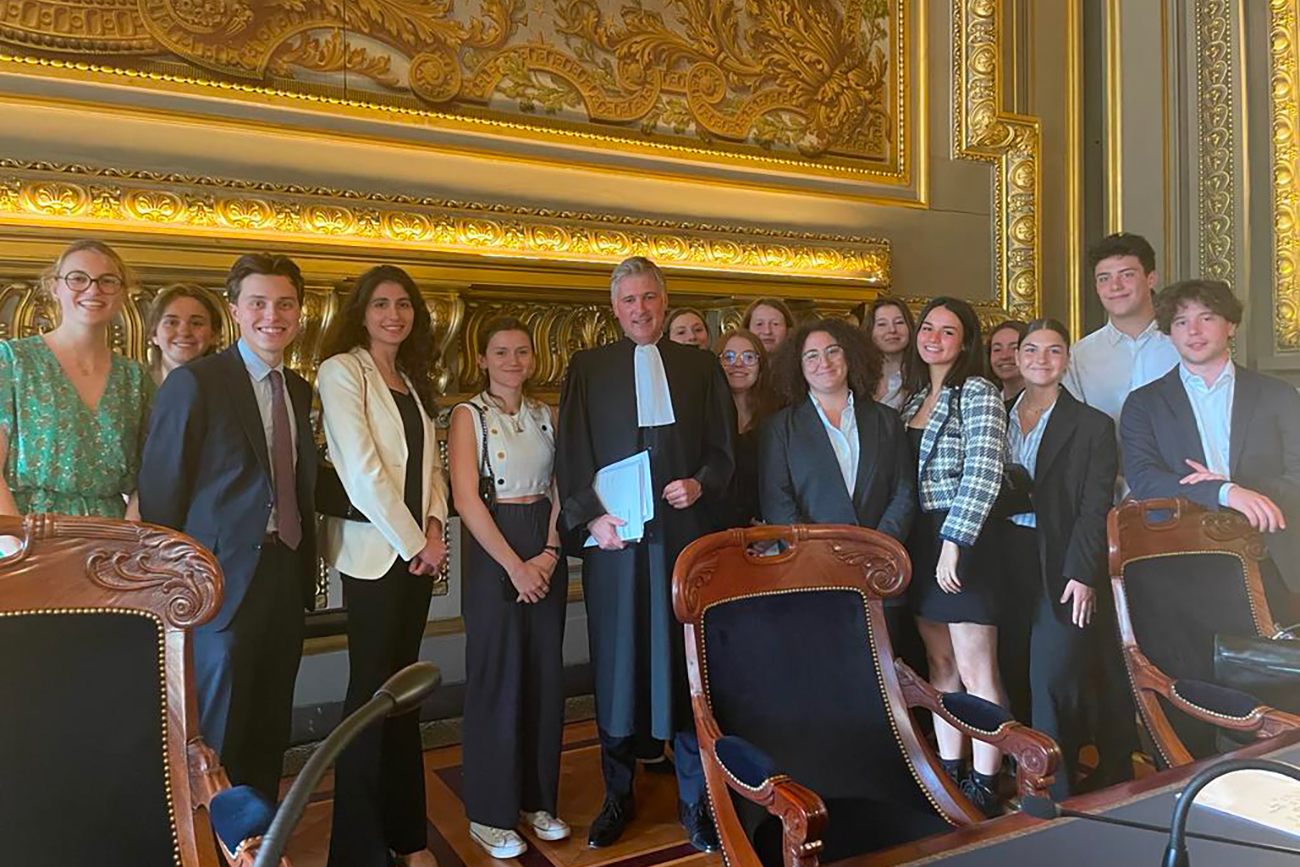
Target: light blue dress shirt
[(1022, 449), (844, 441), (1212, 407)]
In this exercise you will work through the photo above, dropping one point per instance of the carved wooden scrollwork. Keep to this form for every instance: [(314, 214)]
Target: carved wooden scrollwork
[(882, 571), (164, 562)]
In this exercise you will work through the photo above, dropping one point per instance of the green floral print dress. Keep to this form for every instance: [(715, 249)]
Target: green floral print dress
[(65, 458)]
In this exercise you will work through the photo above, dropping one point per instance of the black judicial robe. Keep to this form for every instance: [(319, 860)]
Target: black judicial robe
[(636, 643)]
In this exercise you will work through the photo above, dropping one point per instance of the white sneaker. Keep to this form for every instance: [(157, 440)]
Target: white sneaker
[(546, 826), (498, 842)]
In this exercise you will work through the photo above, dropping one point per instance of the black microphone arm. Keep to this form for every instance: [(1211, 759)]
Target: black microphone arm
[(1176, 852), (1043, 808), (401, 693)]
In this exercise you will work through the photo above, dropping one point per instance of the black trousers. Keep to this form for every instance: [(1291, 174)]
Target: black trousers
[(245, 674), (514, 673), (618, 757), (379, 780), (1047, 664)]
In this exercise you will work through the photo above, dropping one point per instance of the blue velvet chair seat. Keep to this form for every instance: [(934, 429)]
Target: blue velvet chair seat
[(239, 814)]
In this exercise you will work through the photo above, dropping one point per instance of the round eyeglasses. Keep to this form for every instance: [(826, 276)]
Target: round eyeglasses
[(80, 281), (748, 358), (814, 359)]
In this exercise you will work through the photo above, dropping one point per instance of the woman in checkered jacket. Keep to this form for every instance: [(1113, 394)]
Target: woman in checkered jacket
[(957, 425)]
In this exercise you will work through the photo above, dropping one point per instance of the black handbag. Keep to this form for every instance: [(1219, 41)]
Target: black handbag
[(487, 487), (331, 497), (1266, 668)]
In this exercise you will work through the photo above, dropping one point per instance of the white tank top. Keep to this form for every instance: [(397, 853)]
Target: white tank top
[(521, 447)]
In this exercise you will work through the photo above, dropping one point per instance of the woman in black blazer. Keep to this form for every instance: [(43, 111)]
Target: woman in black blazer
[(1056, 554), (829, 370)]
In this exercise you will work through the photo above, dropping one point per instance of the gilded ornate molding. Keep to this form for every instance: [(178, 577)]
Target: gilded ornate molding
[(1011, 142), (1215, 77), (78, 197), (1284, 92), (806, 86)]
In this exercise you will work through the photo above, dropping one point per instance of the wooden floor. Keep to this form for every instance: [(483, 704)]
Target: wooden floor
[(654, 838)]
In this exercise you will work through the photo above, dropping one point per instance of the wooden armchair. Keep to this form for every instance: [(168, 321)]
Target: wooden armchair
[(100, 759), (803, 715), (1181, 575)]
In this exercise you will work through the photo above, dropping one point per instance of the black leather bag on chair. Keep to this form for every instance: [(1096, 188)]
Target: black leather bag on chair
[(1267, 668)]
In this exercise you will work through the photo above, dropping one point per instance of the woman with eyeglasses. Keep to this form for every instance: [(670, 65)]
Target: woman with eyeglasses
[(957, 425), (745, 362), (834, 455), (73, 413)]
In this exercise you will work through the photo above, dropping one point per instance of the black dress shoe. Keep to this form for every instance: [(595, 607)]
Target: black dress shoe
[(615, 813), (698, 824), (984, 797)]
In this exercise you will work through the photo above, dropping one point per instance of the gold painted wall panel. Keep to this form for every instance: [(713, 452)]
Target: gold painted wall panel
[(807, 86), (1284, 46)]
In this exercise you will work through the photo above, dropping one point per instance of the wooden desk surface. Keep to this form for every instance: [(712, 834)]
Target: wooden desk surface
[(1019, 839)]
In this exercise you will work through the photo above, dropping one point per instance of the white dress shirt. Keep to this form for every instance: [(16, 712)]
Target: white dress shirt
[(1212, 407), (654, 403), (1023, 448), (259, 372), (894, 397), (1107, 365), (844, 441)]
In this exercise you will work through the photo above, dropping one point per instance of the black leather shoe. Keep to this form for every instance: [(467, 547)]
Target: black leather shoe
[(698, 824), (983, 797), (615, 813)]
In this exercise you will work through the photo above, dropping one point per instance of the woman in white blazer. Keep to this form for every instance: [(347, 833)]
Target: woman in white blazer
[(376, 396)]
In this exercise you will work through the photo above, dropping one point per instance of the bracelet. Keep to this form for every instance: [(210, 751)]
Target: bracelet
[(553, 549)]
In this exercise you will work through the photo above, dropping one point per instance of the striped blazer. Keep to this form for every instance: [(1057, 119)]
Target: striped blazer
[(959, 467)]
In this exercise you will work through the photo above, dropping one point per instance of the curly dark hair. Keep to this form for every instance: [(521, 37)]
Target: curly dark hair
[(416, 355), (971, 359), (860, 356)]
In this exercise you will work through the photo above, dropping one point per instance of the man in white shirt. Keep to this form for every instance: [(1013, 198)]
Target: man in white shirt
[(1220, 435), (1128, 351)]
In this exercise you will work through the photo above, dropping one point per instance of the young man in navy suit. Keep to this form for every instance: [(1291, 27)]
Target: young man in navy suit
[(1221, 435), (230, 461)]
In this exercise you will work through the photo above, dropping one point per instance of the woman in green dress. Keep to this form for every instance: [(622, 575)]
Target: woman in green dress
[(73, 413)]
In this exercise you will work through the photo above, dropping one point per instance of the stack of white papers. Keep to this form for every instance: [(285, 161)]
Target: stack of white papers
[(625, 490), (1271, 800)]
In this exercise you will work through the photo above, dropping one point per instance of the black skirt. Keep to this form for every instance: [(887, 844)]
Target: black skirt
[(977, 600)]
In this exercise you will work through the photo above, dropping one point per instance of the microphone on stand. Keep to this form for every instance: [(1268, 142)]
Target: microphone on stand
[(401, 693), (1045, 808), (1176, 852)]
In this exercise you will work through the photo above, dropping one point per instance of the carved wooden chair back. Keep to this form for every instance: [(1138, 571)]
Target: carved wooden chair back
[(1181, 575), (790, 653), (100, 756)]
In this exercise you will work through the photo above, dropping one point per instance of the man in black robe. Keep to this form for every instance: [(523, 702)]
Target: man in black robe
[(642, 393)]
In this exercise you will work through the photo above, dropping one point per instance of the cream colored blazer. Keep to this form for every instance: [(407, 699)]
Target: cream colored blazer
[(367, 446)]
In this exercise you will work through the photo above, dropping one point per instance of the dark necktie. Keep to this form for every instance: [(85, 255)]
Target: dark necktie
[(288, 523)]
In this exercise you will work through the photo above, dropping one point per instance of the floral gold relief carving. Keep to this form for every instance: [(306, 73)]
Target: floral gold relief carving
[(56, 199), (817, 85), (1284, 44), (1215, 82), (1012, 143), (155, 206)]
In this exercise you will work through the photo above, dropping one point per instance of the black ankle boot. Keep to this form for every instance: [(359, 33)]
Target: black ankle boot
[(982, 791), (699, 824)]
